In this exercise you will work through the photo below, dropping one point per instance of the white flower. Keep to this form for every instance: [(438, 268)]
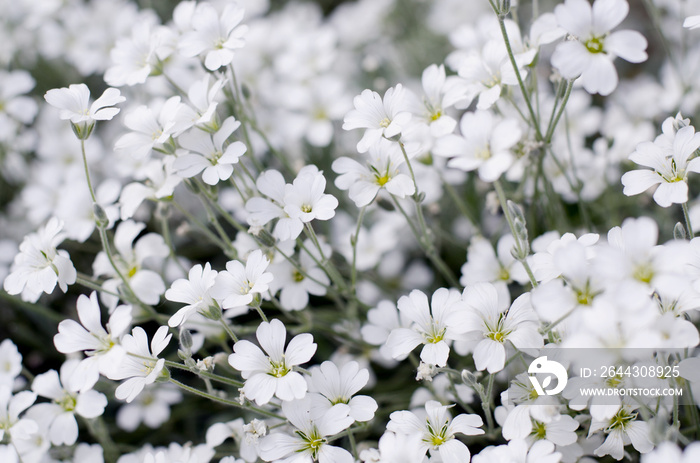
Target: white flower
[(10, 363), (141, 366), (193, 291), (519, 451), (622, 429), (305, 199), (39, 266), (667, 451), (12, 86), (130, 259), (437, 431), (381, 118), (271, 374), (432, 326), (295, 285), (207, 153), (262, 210), (670, 165), (309, 442), (692, 22), (381, 320), (487, 326), (74, 103), (485, 145), (215, 37), (101, 346), (383, 170), (438, 96), (63, 429), (394, 448), (331, 386), (246, 435), (152, 407), (11, 406), (151, 127), (592, 52), (236, 286), (160, 183), (483, 264), (134, 58)]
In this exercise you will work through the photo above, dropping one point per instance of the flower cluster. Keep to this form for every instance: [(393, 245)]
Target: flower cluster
[(262, 259)]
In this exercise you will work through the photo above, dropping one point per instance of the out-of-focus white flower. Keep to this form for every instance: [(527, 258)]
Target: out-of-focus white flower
[(591, 53), (144, 366), (246, 435), (151, 407), (518, 450), (380, 117), (215, 37), (131, 256), (485, 145), (207, 154), (39, 266), (74, 103), (10, 363), (270, 372), (13, 85), (236, 286), (667, 451), (437, 430), (63, 429), (692, 22), (295, 284), (134, 58), (11, 406), (394, 448), (485, 265), (159, 184)]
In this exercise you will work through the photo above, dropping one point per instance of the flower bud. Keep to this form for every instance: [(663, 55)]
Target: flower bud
[(100, 215), (679, 232)]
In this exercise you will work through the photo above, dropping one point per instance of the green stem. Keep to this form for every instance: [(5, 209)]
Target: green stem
[(486, 403), (425, 245), (98, 430), (423, 236), (260, 312), (325, 262), (353, 242), (38, 309), (228, 330), (89, 283), (555, 118), (87, 172), (686, 216), (201, 226), (520, 248), (535, 123), (232, 403)]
